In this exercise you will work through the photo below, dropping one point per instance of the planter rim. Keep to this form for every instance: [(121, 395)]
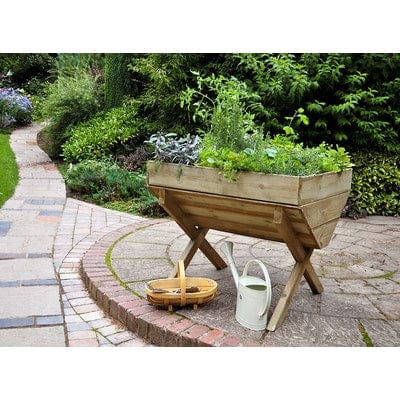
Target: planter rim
[(220, 171), (286, 189)]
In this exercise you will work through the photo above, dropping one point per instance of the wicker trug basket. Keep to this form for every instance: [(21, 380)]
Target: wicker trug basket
[(180, 291)]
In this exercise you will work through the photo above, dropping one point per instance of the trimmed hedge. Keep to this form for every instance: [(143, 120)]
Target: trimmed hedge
[(376, 184)]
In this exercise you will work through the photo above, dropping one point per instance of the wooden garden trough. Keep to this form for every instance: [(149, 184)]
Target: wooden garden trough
[(301, 211)]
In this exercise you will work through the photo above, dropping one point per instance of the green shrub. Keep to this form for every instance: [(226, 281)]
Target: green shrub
[(136, 160), (116, 79), (70, 100), (158, 80), (376, 184), (105, 183), (69, 64), (102, 135), (350, 99)]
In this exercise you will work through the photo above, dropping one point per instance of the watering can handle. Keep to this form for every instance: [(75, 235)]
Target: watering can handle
[(267, 280)]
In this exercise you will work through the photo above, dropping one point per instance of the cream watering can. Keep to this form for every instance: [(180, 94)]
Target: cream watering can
[(253, 293)]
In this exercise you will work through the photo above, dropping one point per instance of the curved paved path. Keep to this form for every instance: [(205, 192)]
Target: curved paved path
[(43, 236)]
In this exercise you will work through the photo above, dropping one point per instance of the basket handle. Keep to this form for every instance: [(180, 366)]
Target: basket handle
[(182, 279)]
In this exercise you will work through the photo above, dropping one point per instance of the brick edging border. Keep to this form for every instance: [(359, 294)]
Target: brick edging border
[(160, 327)]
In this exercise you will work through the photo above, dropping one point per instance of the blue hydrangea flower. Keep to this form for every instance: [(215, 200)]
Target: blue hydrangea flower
[(15, 108)]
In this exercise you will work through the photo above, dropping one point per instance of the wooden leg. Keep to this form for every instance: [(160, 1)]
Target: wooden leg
[(312, 279), (302, 267), (193, 245), (289, 290), (190, 250), (283, 225), (190, 229)]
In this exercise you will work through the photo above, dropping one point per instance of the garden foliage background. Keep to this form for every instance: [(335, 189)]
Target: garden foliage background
[(103, 108)]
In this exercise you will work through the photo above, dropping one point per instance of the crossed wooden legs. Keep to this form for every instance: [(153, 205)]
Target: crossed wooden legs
[(196, 235)]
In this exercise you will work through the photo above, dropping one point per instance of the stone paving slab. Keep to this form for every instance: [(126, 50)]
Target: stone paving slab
[(51, 336), (29, 300)]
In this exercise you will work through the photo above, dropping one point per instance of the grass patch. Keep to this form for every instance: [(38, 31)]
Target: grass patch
[(107, 261), (388, 275), (9, 168), (366, 339)]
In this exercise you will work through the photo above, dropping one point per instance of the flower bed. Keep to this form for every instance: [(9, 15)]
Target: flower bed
[(15, 108)]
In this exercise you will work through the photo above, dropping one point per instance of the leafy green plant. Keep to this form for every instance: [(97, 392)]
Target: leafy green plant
[(69, 101), (350, 99), (101, 136), (276, 156), (234, 142), (221, 106), (107, 184), (136, 160), (376, 184), (25, 70), (158, 81), (71, 64)]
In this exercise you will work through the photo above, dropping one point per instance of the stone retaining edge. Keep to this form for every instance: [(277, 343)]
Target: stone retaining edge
[(160, 327)]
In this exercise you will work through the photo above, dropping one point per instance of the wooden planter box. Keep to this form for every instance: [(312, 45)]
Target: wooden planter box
[(301, 211), (246, 206)]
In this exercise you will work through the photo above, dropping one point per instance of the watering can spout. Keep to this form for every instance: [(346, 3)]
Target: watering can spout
[(227, 249)]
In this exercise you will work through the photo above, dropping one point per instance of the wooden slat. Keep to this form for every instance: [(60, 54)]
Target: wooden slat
[(266, 233), (218, 204), (222, 202), (312, 279), (292, 190), (275, 188), (313, 188), (322, 211), (240, 218), (324, 233), (192, 247), (254, 213), (284, 227)]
